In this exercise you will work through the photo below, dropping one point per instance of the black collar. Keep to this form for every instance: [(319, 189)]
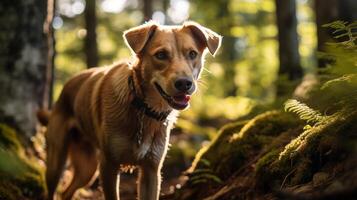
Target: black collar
[(140, 104)]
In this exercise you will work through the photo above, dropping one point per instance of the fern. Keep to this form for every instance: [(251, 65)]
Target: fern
[(303, 111), (340, 81), (338, 90), (204, 175), (344, 29)]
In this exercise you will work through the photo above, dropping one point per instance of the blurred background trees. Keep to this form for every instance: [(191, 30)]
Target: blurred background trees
[(268, 47), (267, 44), (25, 62)]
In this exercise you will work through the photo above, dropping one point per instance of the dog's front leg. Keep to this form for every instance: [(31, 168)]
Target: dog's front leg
[(149, 182), (110, 180)]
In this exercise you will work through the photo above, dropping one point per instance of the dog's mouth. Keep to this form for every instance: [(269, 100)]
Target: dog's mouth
[(178, 102)]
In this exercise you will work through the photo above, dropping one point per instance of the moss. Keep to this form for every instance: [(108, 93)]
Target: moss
[(8, 138), (267, 160), (238, 142), (21, 177), (308, 153), (9, 190), (218, 144), (270, 123)]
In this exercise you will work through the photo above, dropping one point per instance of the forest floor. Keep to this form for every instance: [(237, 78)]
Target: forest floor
[(273, 155)]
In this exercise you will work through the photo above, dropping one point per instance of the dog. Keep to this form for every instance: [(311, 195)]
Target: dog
[(121, 115)]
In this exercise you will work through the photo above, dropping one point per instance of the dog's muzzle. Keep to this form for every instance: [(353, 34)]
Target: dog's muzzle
[(178, 102)]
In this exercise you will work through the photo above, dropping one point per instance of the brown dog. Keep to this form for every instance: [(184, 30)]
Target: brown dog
[(122, 114)]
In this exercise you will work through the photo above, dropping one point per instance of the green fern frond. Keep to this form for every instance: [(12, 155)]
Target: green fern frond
[(344, 29), (303, 111), (204, 175), (344, 78), (205, 178), (336, 25)]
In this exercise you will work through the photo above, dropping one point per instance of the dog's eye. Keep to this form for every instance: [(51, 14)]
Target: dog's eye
[(192, 55), (161, 55)]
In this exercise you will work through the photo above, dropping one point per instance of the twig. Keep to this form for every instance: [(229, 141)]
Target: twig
[(286, 177)]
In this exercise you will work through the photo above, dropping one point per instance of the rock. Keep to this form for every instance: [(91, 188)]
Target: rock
[(335, 186), (319, 178)]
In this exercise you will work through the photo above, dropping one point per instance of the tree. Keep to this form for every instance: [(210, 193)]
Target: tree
[(228, 55), (90, 42), (23, 62), (50, 69), (288, 39), (348, 10), (147, 9), (328, 11)]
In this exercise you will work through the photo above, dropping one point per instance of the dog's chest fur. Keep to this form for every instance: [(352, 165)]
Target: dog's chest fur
[(126, 150), (111, 120)]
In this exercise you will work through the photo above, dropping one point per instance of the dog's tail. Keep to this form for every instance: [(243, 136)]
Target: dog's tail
[(43, 116)]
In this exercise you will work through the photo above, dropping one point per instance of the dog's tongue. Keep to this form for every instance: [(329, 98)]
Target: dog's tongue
[(182, 99)]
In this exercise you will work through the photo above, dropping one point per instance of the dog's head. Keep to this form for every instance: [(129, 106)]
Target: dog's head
[(171, 57)]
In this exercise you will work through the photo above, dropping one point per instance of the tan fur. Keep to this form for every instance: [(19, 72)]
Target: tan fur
[(94, 123)]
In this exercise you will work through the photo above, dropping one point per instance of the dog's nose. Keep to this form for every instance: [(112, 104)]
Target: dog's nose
[(183, 84)]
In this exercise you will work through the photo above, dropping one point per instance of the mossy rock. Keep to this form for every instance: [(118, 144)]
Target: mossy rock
[(238, 142), (21, 176), (309, 153)]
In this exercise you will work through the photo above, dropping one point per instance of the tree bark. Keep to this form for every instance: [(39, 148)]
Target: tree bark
[(288, 39), (326, 12), (348, 10), (147, 9), (50, 67), (90, 42), (165, 7), (228, 55), (23, 60)]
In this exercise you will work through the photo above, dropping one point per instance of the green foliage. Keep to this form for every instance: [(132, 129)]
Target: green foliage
[(344, 29), (203, 175), (303, 111), (21, 177), (342, 53), (326, 138), (338, 88), (236, 142)]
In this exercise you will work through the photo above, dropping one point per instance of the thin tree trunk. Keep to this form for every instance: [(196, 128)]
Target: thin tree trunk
[(165, 7), (147, 9), (23, 60), (90, 42), (326, 12), (288, 39), (48, 29), (348, 10), (228, 54)]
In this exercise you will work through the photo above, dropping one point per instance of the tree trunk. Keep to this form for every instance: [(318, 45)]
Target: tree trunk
[(23, 60), (228, 55), (288, 39), (347, 10), (48, 29), (147, 9), (90, 42), (326, 12), (165, 7)]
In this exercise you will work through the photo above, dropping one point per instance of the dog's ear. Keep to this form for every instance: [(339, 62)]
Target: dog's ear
[(136, 38), (205, 36)]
